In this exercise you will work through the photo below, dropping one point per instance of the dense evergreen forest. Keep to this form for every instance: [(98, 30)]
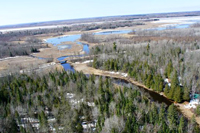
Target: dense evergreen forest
[(73, 102)]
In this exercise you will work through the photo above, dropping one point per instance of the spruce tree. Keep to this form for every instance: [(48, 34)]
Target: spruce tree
[(181, 125), (149, 81), (169, 69), (186, 94), (162, 113), (177, 94), (166, 91), (174, 87), (114, 46), (198, 110), (94, 64), (172, 116)]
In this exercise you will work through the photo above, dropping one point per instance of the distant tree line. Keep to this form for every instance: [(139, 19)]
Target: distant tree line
[(15, 35), (13, 49)]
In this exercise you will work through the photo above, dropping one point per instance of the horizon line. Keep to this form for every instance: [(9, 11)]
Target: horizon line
[(18, 24)]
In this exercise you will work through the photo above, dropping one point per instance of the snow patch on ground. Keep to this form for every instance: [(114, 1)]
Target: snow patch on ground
[(192, 104), (180, 20), (85, 62), (119, 73)]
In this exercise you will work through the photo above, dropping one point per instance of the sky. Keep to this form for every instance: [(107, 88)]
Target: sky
[(26, 11)]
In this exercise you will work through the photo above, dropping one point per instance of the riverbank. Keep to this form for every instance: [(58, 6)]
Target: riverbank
[(89, 70)]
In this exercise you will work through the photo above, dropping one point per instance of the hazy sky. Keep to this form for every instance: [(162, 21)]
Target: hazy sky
[(24, 11)]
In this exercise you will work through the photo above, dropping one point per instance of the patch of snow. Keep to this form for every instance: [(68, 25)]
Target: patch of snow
[(166, 80), (60, 128), (180, 20), (91, 104), (88, 61), (36, 125), (52, 120), (74, 101), (124, 74), (119, 73), (192, 104), (70, 95), (169, 84)]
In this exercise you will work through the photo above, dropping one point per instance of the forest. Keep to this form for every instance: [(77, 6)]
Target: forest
[(73, 102)]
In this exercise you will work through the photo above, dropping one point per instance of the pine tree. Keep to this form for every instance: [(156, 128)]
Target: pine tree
[(43, 120), (11, 55), (198, 110), (174, 81), (169, 69), (94, 64), (160, 87), (171, 93), (114, 46), (148, 47), (162, 113), (177, 95), (172, 116), (166, 91), (174, 87), (79, 128), (13, 126), (181, 125), (115, 66), (186, 94), (149, 81)]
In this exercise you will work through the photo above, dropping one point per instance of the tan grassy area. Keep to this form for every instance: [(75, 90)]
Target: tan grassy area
[(18, 63), (54, 52), (26, 64)]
